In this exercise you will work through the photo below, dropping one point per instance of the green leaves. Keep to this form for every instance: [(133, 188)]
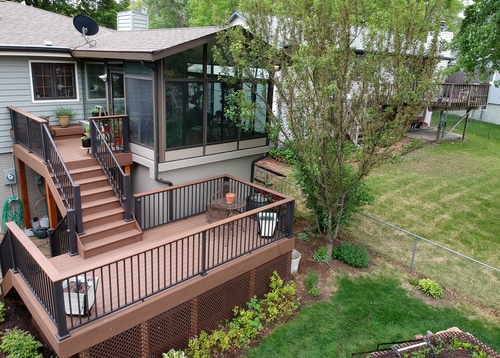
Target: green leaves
[(478, 38)]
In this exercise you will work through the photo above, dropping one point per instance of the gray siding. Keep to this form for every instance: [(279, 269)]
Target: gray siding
[(15, 90)]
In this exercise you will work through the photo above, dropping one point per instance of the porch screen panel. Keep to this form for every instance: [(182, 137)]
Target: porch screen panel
[(139, 95), (255, 127), (184, 114), (220, 128)]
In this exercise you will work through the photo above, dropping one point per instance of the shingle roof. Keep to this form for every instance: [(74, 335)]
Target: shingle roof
[(25, 26), (22, 25)]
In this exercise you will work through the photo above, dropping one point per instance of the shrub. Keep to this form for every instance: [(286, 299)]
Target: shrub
[(2, 312), (321, 255), (173, 354), (17, 343), (279, 302), (353, 255), (430, 288), (303, 236), (311, 282)]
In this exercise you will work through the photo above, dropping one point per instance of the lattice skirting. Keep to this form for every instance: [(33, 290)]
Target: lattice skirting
[(172, 328)]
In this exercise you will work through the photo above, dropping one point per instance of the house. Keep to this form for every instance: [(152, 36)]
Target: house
[(145, 249)]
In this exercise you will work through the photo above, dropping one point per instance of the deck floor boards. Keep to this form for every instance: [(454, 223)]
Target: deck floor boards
[(168, 265)]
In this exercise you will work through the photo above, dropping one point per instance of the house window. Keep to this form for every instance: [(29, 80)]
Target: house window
[(53, 81)]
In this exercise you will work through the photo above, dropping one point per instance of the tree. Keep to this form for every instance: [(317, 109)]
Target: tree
[(478, 38), (208, 13), (167, 13), (337, 67), (104, 12)]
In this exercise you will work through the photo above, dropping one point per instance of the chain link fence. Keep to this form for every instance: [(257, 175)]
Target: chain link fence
[(456, 272)]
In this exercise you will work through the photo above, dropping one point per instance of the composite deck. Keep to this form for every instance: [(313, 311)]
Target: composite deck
[(180, 257)]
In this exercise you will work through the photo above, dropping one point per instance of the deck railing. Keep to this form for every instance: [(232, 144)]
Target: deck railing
[(132, 278), (33, 133), (119, 181), (457, 95)]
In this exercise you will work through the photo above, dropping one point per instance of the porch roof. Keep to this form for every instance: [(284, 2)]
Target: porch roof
[(26, 28)]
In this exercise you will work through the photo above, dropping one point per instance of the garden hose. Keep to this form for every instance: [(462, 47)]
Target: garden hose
[(12, 211)]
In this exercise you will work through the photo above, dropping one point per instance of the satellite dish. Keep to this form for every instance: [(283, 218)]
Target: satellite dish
[(86, 26)]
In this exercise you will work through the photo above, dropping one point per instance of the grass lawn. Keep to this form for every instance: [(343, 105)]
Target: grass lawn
[(368, 309), (448, 193)]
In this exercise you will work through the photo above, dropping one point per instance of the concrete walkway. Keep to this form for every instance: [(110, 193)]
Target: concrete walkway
[(429, 134)]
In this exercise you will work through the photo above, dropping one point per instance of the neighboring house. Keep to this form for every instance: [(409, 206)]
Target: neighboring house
[(145, 250)]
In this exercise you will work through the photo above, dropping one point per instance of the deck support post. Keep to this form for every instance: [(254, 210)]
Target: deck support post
[(23, 188)]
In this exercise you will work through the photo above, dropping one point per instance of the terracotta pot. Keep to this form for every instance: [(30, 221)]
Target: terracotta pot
[(230, 198)]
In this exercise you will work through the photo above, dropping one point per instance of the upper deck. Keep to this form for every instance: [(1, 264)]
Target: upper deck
[(458, 96)]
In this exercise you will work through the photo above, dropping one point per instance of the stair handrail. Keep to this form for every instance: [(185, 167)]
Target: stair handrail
[(32, 132), (70, 191), (117, 178)]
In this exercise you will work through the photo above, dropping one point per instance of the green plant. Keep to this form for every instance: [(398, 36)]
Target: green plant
[(413, 281), (354, 255), (17, 343), (2, 312), (303, 236), (430, 288), (64, 111), (321, 255), (173, 354), (311, 282), (279, 302), (95, 111)]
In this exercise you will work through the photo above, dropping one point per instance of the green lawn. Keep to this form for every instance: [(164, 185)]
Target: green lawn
[(367, 310), (448, 193)]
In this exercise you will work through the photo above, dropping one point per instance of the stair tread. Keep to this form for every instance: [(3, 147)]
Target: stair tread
[(91, 179), (119, 224), (96, 190), (101, 201), (102, 213), (85, 169), (110, 240)]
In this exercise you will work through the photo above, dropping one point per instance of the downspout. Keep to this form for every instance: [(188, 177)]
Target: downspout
[(156, 131)]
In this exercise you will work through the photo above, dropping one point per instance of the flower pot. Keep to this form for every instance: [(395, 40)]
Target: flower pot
[(118, 141), (230, 198), (63, 121), (86, 143)]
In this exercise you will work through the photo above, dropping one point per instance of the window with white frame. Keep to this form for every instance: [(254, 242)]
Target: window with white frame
[(53, 81)]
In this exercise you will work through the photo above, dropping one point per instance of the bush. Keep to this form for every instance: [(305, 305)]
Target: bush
[(321, 255), (2, 312), (353, 255), (279, 302), (17, 343), (430, 288)]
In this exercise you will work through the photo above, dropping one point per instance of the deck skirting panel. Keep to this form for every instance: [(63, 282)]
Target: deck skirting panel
[(205, 311)]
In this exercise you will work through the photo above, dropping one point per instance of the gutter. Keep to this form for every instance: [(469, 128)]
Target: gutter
[(40, 48)]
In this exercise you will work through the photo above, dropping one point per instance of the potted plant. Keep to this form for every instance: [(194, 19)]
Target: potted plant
[(86, 141), (94, 112), (64, 114)]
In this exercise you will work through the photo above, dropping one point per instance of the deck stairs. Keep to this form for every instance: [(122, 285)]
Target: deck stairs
[(103, 216)]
